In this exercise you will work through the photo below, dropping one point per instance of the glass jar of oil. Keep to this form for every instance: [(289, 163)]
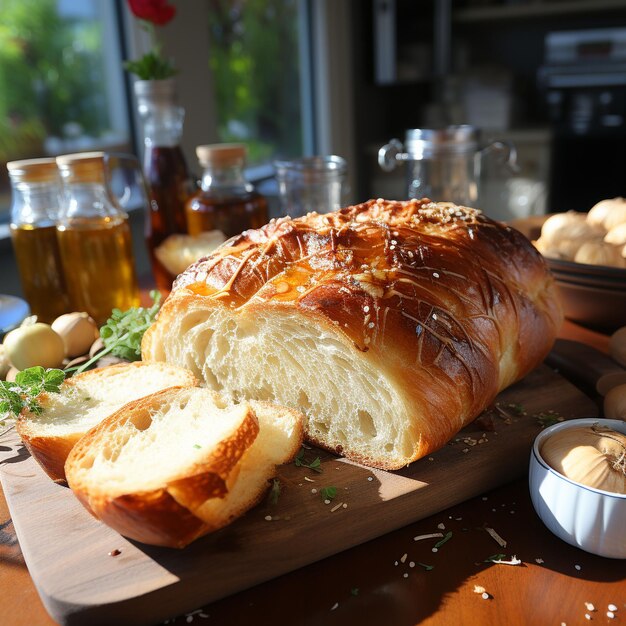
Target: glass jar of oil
[(226, 201), (94, 236), (35, 209)]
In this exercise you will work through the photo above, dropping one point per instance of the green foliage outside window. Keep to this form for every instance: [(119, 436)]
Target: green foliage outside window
[(255, 64), (50, 74)]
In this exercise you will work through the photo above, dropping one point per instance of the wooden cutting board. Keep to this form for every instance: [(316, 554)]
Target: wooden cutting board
[(87, 573)]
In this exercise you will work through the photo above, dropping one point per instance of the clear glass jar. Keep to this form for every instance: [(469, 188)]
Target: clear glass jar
[(94, 237), (164, 167), (444, 164), (35, 209), (311, 184), (226, 201)]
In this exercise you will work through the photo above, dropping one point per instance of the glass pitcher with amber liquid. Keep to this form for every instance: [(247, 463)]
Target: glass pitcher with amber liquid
[(35, 209), (94, 235)]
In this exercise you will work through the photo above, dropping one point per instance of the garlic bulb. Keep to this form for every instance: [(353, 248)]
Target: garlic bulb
[(594, 456), (35, 344), (617, 235), (608, 213), (563, 234), (599, 253)]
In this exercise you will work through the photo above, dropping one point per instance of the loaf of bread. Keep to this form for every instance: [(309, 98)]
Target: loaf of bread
[(390, 325), (84, 401), (175, 465)]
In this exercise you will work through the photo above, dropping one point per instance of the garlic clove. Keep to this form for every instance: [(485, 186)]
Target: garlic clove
[(78, 331), (592, 456)]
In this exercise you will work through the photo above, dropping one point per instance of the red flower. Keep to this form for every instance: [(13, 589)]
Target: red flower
[(159, 12)]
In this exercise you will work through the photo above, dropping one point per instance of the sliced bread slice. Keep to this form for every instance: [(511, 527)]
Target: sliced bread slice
[(84, 401), (178, 464), (279, 440)]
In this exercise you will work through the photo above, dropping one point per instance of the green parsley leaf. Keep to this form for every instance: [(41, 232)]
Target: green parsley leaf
[(328, 493), (29, 383), (123, 332), (315, 465)]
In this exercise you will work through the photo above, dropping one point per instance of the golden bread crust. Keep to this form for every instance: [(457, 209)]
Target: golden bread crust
[(449, 304)]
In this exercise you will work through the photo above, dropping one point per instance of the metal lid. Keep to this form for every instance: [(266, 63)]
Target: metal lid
[(221, 154), (423, 143)]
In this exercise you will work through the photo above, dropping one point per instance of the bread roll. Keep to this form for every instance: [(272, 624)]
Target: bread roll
[(390, 325)]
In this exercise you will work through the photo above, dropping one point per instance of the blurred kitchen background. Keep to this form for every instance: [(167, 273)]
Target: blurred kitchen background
[(343, 77)]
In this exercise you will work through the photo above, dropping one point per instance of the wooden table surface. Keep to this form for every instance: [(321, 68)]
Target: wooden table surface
[(394, 580)]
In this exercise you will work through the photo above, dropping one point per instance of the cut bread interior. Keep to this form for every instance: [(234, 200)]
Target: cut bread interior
[(287, 358), (84, 401), (179, 463)]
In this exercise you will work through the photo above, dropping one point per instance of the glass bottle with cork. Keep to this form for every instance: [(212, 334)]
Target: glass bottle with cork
[(226, 202), (94, 237), (35, 209), (165, 169)]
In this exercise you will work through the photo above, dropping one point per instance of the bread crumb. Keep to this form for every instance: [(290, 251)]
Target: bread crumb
[(268, 518), (540, 561), (612, 607), (405, 575), (411, 563), (485, 596), (577, 567), (479, 589), (334, 606), (589, 606), (610, 614), (441, 526), (403, 557)]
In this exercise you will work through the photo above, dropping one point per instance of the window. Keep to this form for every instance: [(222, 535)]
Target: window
[(61, 85), (255, 61)]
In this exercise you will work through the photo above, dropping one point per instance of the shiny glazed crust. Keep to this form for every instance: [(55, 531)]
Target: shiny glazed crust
[(436, 304)]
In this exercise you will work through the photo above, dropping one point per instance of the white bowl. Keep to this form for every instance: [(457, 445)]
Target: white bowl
[(591, 519)]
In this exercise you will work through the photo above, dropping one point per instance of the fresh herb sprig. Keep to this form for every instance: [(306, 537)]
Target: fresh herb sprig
[(314, 465), (123, 332), (29, 383), (328, 493)]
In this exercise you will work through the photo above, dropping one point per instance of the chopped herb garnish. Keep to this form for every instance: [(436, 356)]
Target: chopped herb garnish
[(315, 465), (426, 567), (328, 493), (548, 419), (447, 537), (197, 445), (494, 557), (28, 384), (275, 491)]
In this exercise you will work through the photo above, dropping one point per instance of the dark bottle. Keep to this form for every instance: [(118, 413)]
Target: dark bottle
[(226, 202), (165, 169)]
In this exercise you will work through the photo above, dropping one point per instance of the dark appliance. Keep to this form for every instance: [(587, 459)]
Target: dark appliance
[(584, 81)]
